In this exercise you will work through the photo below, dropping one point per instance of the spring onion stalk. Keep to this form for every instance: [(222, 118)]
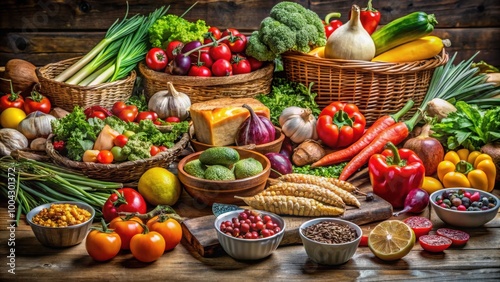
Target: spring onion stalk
[(117, 31), (95, 74)]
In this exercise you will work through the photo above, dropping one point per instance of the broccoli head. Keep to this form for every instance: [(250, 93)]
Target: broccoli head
[(257, 49)]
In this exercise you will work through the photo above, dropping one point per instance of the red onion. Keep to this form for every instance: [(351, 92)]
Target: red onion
[(287, 147), (415, 202), (279, 164), (255, 130)]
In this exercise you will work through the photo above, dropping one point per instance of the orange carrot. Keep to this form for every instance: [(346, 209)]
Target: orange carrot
[(395, 134), (380, 125)]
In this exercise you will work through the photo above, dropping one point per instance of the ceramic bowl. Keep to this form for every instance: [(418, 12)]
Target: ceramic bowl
[(60, 236), (330, 254), (215, 191), (468, 219), (249, 249)]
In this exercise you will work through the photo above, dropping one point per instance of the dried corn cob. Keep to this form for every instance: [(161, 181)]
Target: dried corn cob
[(347, 197), (313, 179), (305, 190), (290, 205)]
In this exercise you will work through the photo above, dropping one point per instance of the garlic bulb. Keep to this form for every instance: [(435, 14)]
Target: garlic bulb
[(36, 124), (298, 124), (170, 103), (350, 41), (11, 140)]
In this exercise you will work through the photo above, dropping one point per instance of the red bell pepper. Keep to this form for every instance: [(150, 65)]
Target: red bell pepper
[(331, 26), (394, 173), (370, 17), (340, 124)]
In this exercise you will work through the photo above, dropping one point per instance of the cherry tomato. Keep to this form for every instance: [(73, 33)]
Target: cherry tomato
[(146, 115), (221, 51), (240, 65), (123, 200), (103, 244), (147, 246), (129, 113), (173, 49), (118, 107), (169, 228), (364, 240), (202, 57), (213, 34), (227, 31), (420, 225), (120, 140), (154, 150), (434, 243), (199, 71), (12, 100), (37, 102), (254, 63), (238, 43), (458, 237), (97, 114), (118, 154), (222, 67), (126, 228), (105, 157), (163, 148), (156, 59), (172, 119)]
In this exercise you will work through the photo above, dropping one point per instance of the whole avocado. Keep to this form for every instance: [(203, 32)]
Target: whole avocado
[(225, 156), (247, 167), (218, 172), (195, 168)]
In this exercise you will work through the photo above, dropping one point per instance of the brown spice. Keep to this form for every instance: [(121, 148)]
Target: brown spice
[(330, 233)]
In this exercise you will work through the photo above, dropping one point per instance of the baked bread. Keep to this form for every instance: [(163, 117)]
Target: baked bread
[(216, 122)]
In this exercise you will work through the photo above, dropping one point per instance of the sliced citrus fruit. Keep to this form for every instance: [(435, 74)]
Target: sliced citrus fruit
[(391, 240)]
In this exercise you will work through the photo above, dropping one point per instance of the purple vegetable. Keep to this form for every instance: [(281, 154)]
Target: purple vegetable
[(280, 165), (181, 65), (190, 46), (415, 202), (255, 130), (287, 147)]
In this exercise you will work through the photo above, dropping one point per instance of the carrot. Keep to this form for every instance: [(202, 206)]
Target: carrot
[(395, 134), (380, 125)]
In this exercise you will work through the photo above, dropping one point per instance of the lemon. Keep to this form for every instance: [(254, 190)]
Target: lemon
[(159, 186), (391, 240), (11, 117)]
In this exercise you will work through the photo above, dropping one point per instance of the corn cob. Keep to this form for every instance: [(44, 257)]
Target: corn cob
[(291, 205), (313, 179), (347, 197), (305, 190)]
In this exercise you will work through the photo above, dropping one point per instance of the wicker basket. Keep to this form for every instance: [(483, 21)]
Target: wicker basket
[(377, 88), (67, 96), (201, 89), (124, 172)]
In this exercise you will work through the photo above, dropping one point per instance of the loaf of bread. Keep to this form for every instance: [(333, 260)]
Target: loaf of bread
[(216, 122)]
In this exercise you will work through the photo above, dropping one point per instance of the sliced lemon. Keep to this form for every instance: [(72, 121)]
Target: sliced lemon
[(391, 240)]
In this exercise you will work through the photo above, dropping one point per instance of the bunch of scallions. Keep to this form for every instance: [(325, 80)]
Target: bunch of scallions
[(124, 45)]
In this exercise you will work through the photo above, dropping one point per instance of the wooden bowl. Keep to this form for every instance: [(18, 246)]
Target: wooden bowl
[(271, 147), (216, 191)]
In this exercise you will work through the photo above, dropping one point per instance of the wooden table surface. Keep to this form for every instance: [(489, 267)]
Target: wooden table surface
[(478, 259)]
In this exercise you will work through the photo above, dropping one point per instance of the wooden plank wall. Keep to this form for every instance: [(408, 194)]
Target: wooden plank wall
[(45, 31)]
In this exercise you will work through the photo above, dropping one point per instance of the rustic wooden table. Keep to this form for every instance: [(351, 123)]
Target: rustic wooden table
[(478, 259)]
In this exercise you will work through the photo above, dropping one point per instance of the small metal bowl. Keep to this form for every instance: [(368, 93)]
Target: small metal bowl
[(60, 236), (249, 249), (330, 254)]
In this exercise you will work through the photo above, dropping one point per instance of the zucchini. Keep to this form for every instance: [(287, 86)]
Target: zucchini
[(415, 50), (402, 30)]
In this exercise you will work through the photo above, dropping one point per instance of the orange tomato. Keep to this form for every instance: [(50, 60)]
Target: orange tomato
[(102, 245), (169, 228), (147, 246), (126, 228)]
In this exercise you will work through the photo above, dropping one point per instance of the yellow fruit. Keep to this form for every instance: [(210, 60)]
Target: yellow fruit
[(159, 186), (391, 240), (431, 184), (11, 117)]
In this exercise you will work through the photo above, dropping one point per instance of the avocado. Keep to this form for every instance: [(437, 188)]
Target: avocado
[(247, 167), (218, 172), (225, 156), (195, 168)]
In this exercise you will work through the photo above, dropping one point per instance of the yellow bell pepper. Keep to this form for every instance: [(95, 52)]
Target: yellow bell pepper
[(431, 184), (318, 52), (467, 169)]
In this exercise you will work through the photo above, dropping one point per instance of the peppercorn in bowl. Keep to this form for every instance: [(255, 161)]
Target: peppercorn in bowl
[(61, 224), (330, 241)]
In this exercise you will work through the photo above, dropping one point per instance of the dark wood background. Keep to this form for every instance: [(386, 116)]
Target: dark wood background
[(45, 31)]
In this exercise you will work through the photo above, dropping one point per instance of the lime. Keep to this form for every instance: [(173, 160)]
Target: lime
[(391, 240), (159, 186), (11, 117)]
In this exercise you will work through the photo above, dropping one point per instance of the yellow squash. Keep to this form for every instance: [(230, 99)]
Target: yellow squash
[(416, 50)]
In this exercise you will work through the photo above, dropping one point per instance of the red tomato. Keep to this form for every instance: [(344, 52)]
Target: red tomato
[(222, 67), (434, 243), (364, 241), (212, 35), (221, 51), (123, 200), (169, 228), (154, 150), (105, 157), (118, 107), (126, 228), (458, 237), (238, 43), (37, 102), (199, 71), (254, 63), (202, 57), (172, 119), (146, 115), (120, 140), (163, 148), (129, 113), (12, 100), (233, 31), (97, 114), (173, 49), (156, 59), (147, 246), (240, 65), (103, 245), (419, 224)]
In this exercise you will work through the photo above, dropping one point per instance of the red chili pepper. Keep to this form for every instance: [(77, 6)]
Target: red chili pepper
[(58, 145), (340, 124), (394, 173), (370, 17), (331, 26)]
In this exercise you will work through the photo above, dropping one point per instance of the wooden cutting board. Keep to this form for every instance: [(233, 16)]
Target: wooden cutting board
[(201, 234)]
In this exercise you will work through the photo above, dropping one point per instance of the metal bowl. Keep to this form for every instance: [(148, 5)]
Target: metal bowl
[(330, 254), (60, 236), (468, 219), (249, 249)]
